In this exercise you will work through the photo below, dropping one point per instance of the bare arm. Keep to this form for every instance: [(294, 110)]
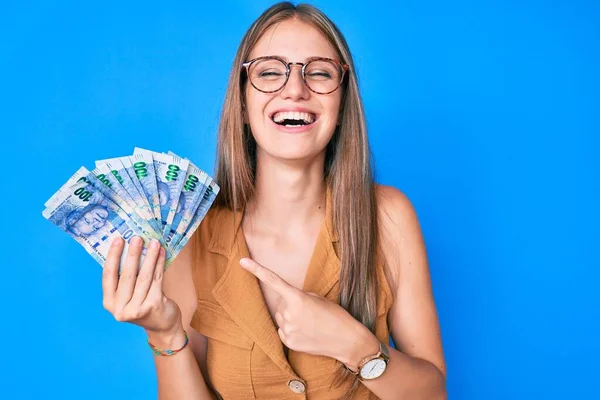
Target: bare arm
[(416, 369), (182, 376), (162, 304)]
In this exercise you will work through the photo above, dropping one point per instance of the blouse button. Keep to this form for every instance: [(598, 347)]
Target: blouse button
[(297, 386)]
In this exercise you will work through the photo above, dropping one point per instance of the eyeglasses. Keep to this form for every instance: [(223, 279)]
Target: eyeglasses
[(321, 75)]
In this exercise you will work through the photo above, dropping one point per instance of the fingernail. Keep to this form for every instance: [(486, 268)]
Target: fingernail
[(162, 252), (244, 262), (117, 241), (136, 241), (154, 244)]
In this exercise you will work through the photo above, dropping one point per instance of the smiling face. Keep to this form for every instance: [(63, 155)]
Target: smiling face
[(293, 41)]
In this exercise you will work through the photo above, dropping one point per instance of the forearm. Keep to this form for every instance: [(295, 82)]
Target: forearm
[(406, 377), (178, 375)]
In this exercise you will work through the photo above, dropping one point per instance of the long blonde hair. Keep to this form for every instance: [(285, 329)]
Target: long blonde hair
[(347, 164)]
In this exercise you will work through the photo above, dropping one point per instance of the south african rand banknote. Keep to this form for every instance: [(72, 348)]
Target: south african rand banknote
[(143, 166), (93, 220), (106, 183), (122, 168), (192, 193), (170, 178), (115, 181), (133, 212), (208, 197), (207, 200)]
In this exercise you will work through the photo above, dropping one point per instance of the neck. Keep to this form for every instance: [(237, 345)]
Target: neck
[(287, 195)]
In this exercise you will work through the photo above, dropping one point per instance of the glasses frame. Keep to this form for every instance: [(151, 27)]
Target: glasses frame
[(288, 71)]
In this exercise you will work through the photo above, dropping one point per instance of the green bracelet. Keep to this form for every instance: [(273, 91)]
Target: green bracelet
[(157, 351)]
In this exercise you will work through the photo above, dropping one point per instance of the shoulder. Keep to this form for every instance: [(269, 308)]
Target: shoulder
[(400, 234), (395, 210)]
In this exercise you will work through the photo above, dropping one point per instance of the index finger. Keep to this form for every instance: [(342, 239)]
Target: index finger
[(110, 277), (268, 277)]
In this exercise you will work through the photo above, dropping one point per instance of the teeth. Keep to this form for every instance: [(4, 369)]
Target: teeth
[(299, 116)]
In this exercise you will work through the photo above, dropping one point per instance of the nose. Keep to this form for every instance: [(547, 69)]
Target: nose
[(295, 88)]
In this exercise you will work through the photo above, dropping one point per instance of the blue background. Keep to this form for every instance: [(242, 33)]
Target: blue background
[(485, 113)]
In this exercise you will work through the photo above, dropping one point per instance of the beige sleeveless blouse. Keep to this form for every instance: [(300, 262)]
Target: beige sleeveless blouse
[(245, 357)]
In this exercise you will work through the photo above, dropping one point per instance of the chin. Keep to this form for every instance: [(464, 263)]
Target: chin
[(291, 147), (291, 153)]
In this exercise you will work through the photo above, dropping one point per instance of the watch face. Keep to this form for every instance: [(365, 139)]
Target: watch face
[(373, 369)]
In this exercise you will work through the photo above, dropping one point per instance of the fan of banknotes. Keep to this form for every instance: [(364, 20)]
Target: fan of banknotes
[(152, 195)]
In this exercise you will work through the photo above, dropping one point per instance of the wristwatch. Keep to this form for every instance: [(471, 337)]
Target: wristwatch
[(372, 367)]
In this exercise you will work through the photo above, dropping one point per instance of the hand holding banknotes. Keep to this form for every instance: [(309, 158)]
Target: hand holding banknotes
[(137, 297), (133, 215)]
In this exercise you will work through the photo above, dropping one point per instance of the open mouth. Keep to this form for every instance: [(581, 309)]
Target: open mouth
[(293, 118)]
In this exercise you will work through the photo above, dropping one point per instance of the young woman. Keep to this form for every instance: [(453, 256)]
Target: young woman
[(303, 268)]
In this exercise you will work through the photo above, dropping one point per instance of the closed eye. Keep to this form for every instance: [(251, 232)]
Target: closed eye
[(267, 74), (321, 74)]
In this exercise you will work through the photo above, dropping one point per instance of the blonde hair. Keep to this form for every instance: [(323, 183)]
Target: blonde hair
[(347, 166)]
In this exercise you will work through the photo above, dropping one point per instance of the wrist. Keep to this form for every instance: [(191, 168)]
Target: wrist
[(363, 344), (171, 339)]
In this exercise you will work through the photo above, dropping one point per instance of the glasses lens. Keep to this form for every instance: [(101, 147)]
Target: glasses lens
[(323, 76), (267, 75)]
